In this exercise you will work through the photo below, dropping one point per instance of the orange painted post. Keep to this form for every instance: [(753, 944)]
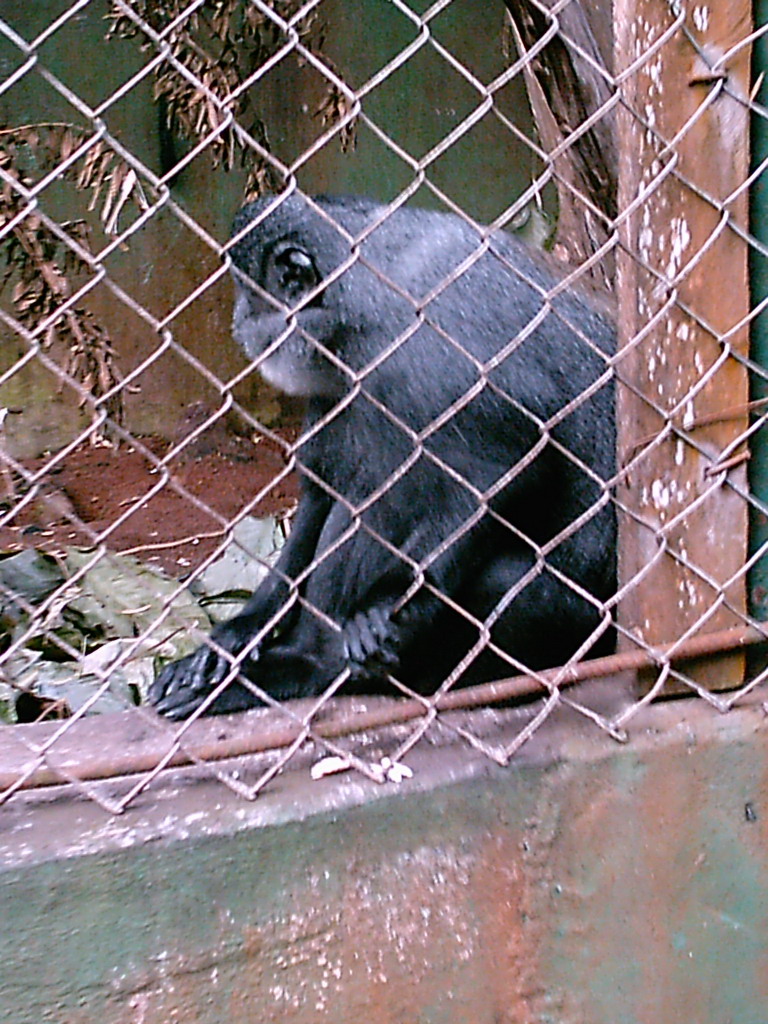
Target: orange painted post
[(683, 295)]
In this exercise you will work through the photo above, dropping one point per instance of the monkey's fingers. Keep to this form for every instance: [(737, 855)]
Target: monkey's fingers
[(183, 685), (370, 642)]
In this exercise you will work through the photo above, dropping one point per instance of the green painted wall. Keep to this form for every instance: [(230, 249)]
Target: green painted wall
[(417, 106), (758, 269)]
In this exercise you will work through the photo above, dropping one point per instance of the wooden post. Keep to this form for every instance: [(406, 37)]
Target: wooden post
[(682, 290)]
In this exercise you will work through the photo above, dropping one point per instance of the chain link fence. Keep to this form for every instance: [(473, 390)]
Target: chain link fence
[(475, 545)]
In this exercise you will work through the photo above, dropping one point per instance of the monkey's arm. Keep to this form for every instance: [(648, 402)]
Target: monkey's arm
[(183, 685)]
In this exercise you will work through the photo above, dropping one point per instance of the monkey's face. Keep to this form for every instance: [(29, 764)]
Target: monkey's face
[(279, 318)]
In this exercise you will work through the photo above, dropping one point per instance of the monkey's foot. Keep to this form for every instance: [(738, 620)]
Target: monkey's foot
[(184, 685), (370, 643)]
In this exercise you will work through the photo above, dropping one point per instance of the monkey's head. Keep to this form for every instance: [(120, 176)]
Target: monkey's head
[(302, 300)]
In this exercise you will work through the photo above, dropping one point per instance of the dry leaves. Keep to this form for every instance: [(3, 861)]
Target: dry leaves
[(223, 44), (212, 56), (41, 264)]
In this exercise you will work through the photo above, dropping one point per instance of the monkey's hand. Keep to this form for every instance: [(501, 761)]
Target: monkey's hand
[(370, 643), (184, 685)]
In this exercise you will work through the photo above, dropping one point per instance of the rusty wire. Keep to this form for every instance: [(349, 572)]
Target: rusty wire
[(684, 422)]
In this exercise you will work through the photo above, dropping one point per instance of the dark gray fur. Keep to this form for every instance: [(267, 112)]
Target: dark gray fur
[(316, 334)]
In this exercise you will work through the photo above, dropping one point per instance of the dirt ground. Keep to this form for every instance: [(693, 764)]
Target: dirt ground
[(88, 491)]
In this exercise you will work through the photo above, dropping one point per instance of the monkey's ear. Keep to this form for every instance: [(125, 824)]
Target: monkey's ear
[(290, 273)]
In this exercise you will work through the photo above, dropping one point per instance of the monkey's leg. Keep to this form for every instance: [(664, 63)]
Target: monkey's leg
[(538, 623)]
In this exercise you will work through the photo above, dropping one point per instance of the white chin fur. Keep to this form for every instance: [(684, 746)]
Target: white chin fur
[(282, 374)]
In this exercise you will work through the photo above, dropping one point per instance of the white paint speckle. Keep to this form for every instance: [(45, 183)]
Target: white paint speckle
[(701, 18), (679, 242), (661, 494), (653, 71)]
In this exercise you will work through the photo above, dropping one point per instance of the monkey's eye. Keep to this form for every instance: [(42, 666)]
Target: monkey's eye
[(293, 273)]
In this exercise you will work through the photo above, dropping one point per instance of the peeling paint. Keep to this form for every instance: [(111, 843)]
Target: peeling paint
[(700, 17), (679, 241), (661, 494)]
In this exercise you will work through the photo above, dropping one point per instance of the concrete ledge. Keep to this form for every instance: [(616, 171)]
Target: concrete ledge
[(589, 882)]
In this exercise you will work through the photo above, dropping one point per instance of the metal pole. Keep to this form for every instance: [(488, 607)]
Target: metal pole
[(209, 740), (758, 276)]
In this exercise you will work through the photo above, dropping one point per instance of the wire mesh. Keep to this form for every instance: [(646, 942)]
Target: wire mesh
[(450, 555)]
